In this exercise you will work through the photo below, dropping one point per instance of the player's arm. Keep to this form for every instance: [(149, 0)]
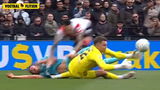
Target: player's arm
[(48, 62), (118, 55), (12, 76), (100, 62), (71, 56)]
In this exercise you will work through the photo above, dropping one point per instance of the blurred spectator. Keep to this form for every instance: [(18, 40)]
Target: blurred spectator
[(86, 7), (78, 10), (36, 28), (139, 4), (150, 12), (10, 19), (20, 28), (6, 30), (126, 13), (60, 10), (29, 11), (120, 29), (41, 12), (157, 5), (97, 11), (2, 18), (6, 11), (53, 3), (87, 16), (136, 27), (23, 14), (102, 28), (120, 3), (63, 18), (149, 5), (50, 25), (154, 28), (113, 15), (5, 1), (68, 5), (106, 7), (92, 2), (48, 6)]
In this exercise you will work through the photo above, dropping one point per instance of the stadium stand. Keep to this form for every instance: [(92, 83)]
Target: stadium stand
[(124, 19)]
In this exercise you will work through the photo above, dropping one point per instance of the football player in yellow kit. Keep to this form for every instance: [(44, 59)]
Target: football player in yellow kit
[(81, 66)]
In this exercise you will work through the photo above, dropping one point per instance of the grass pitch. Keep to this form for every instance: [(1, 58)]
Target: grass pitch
[(146, 80)]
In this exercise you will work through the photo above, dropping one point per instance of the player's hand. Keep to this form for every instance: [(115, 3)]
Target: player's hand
[(137, 55), (10, 75), (70, 56)]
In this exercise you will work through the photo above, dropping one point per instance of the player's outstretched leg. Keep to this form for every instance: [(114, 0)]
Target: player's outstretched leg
[(109, 75), (128, 75)]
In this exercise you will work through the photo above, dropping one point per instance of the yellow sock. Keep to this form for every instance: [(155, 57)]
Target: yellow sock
[(66, 74), (111, 76)]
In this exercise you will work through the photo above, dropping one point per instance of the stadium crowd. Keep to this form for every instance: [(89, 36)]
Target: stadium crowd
[(110, 18)]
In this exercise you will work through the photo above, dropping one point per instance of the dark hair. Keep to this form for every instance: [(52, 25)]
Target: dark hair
[(31, 71), (66, 22), (99, 39), (104, 15), (20, 18)]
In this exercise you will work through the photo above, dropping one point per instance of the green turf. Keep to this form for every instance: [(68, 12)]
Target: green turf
[(146, 80)]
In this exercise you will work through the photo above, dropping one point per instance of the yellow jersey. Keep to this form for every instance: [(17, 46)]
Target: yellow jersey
[(92, 58)]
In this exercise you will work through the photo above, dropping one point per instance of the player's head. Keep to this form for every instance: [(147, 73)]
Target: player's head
[(68, 27), (100, 43), (34, 69)]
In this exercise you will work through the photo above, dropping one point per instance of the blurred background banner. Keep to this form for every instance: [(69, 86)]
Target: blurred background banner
[(18, 55)]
